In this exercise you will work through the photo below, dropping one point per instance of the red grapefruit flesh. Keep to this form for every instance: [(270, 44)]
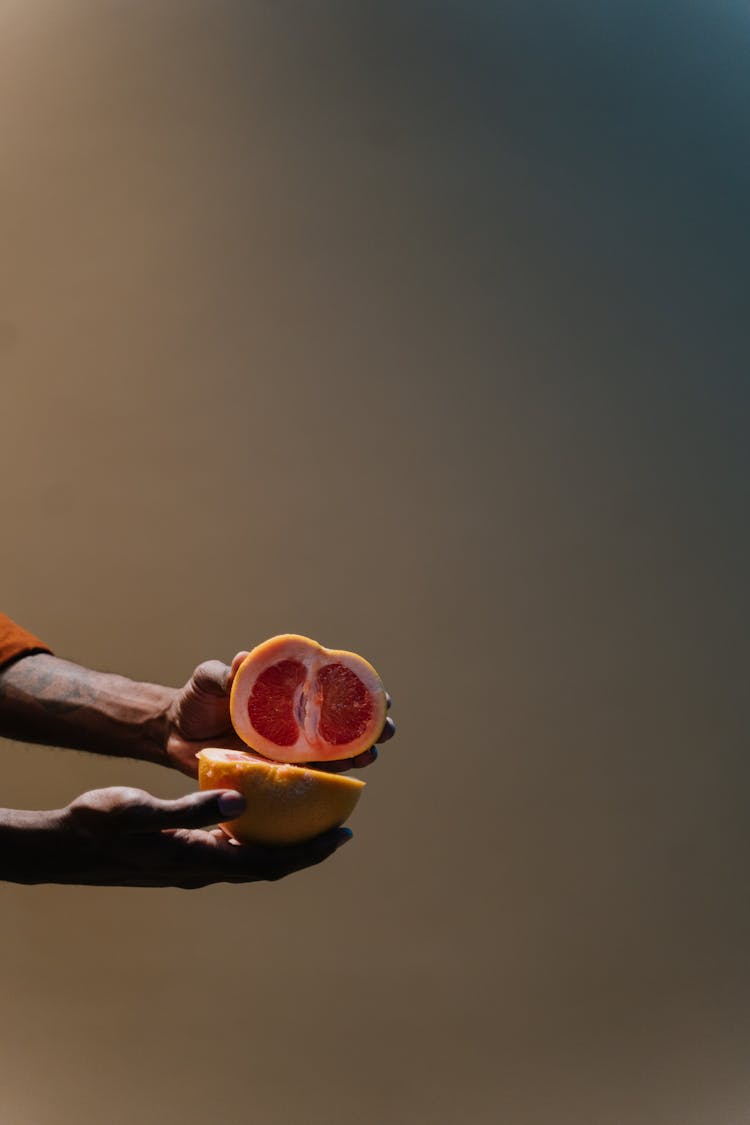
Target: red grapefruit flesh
[(294, 701), (284, 804)]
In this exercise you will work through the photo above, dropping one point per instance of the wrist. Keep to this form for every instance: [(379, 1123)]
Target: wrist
[(140, 715)]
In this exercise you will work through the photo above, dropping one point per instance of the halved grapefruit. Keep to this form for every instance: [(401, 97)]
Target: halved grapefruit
[(294, 701), (285, 804)]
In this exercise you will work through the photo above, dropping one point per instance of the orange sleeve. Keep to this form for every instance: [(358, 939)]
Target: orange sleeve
[(15, 641)]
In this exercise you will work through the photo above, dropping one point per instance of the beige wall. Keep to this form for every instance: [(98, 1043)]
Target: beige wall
[(417, 329)]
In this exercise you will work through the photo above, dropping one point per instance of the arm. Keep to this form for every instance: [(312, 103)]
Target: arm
[(127, 838), (48, 700), (51, 701)]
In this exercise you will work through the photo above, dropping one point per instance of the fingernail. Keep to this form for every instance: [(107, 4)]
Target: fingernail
[(231, 804), (344, 834)]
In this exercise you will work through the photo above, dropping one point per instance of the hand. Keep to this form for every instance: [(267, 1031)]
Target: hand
[(199, 717), (125, 837)]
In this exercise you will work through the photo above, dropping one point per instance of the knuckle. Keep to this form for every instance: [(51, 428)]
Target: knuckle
[(88, 812), (210, 677), (90, 800), (101, 810), (132, 798)]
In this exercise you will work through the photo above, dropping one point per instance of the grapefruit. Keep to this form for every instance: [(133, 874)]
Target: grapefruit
[(285, 804), (294, 701)]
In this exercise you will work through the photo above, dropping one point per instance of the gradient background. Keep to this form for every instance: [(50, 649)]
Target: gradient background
[(422, 329)]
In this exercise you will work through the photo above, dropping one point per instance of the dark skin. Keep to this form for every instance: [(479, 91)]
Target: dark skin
[(126, 837)]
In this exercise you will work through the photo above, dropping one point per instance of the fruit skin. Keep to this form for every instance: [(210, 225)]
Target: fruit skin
[(285, 804), (310, 746)]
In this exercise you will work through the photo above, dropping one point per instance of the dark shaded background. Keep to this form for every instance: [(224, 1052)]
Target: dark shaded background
[(422, 329)]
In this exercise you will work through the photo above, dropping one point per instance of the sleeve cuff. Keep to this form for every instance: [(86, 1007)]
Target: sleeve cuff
[(16, 642)]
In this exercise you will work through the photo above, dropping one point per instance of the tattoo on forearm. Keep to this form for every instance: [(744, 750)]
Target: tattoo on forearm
[(56, 690), (52, 701)]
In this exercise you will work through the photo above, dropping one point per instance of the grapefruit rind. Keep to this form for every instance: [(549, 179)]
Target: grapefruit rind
[(285, 804), (306, 743)]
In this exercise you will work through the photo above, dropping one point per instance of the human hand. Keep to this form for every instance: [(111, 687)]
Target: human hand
[(199, 717), (126, 837)]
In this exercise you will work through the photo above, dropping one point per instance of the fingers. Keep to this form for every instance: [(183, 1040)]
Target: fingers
[(307, 855), (272, 864), (236, 663), (226, 861), (388, 731), (145, 813), (366, 758), (212, 677)]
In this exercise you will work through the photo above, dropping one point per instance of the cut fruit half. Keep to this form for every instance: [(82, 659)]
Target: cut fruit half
[(285, 804), (294, 701)]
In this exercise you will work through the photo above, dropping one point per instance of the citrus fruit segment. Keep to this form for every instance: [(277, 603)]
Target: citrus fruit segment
[(285, 804), (294, 701)]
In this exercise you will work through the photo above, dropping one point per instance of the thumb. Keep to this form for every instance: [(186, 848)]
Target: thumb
[(212, 677), (196, 810)]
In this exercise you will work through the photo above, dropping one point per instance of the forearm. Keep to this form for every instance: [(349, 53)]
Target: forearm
[(47, 700), (32, 847)]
